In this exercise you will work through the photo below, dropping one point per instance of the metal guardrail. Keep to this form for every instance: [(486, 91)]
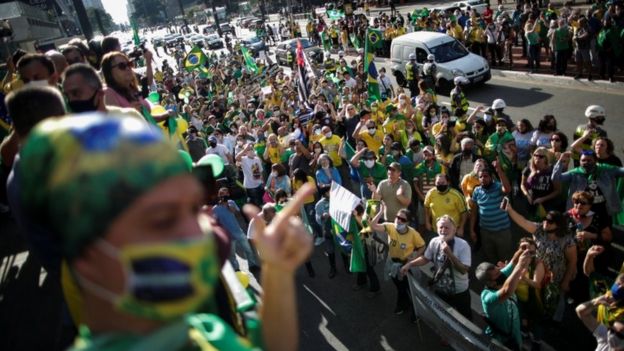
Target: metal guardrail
[(450, 325)]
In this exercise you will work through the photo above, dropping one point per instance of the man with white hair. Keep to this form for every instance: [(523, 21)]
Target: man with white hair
[(451, 258)]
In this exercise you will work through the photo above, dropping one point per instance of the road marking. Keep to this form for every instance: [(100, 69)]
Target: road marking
[(329, 336), (319, 300)]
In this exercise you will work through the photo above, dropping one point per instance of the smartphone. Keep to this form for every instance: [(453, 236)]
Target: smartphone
[(504, 203)]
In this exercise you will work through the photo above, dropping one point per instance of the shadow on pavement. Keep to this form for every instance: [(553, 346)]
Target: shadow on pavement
[(514, 97)]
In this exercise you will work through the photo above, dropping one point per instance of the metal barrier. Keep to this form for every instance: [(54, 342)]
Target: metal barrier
[(450, 325)]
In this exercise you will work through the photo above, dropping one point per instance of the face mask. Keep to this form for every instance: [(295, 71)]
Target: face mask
[(164, 280), (372, 131), (328, 135), (78, 106), (369, 163), (401, 227), (274, 174), (501, 130), (589, 168), (317, 132), (442, 188), (224, 198), (37, 83), (467, 151), (617, 292), (213, 144), (325, 165)]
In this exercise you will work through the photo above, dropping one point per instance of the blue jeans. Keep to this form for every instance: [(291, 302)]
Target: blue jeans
[(250, 255), (255, 195)]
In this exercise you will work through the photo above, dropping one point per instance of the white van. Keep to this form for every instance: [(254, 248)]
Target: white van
[(452, 58)]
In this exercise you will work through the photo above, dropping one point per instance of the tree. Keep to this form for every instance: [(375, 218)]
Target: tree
[(101, 20)]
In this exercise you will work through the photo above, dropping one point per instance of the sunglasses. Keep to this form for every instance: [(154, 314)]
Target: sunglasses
[(539, 156), (401, 219), (123, 65), (580, 202)]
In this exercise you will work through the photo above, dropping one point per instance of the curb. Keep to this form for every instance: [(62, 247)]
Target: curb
[(560, 80)]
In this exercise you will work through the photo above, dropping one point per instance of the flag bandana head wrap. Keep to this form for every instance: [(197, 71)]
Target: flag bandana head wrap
[(77, 174)]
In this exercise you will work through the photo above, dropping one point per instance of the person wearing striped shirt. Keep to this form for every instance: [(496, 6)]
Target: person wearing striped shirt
[(493, 221)]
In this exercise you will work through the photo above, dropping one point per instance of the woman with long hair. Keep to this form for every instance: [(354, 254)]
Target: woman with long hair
[(122, 86), (602, 146), (557, 249), (538, 187)]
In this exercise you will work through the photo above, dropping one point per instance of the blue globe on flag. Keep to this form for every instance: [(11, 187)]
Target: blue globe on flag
[(193, 59)]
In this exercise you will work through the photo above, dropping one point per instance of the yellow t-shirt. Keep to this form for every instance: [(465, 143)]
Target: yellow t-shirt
[(296, 185), (331, 146), (402, 245), (451, 203), (274, 154), (373, 142)]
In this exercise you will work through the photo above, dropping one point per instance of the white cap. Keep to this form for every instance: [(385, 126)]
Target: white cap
[(430, 57), (412, 56), (340, 53), (498, 103), (594, 111)]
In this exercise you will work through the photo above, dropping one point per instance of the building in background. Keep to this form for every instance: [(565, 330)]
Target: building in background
[(96, 4), (31, 25)]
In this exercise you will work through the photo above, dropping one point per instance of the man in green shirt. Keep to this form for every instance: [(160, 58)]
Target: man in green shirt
[(371, 171), (561, 41)]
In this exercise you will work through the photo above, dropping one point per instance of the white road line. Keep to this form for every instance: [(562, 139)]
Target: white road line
[(319, 300)]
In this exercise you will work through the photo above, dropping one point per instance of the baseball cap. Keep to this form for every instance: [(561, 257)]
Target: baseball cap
[(395, 166), (429, 149)]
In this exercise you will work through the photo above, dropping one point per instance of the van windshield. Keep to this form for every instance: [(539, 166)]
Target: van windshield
[(448, 51)]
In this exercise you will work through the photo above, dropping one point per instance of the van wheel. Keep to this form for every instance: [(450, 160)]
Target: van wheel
[(444, 87)]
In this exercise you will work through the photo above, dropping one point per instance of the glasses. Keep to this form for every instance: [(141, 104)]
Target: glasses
[(580, 202), (555, 139), (539, 156), (401, 219), (123, 65)]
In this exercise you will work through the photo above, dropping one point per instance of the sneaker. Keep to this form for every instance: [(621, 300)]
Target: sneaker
[(319, 240)]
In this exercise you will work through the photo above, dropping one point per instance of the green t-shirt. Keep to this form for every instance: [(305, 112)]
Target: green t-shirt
[(503, 314), (379, 172)]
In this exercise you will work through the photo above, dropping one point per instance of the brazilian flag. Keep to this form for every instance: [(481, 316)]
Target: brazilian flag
[(196, 60), (249, 61), (355, 41), (325, 41), (351, 240), (373, 41)]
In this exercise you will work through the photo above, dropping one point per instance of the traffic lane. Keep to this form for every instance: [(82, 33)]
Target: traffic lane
[(534, 100), (334, 317)]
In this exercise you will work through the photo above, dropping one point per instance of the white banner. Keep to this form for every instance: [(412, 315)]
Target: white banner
[(342, 202)]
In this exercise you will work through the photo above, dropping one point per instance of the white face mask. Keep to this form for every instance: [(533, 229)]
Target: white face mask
[(37, 83), (317, 132), (274, 174), (372, 131), (328, 135), (401, 227), (325, 165), (369, 163)]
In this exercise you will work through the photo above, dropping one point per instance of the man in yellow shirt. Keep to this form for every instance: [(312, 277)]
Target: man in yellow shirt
[(444, 200), (331, 144), (372, 136), (405, 243)]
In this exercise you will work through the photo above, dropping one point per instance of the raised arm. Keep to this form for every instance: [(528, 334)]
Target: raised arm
[(522, 222)]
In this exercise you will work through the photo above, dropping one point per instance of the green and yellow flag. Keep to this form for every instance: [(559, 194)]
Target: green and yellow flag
[(196, 60), (373, 41), (250, 63), (325, 41)]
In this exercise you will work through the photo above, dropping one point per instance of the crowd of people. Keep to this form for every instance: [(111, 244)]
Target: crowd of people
[(110, 198), (548, 35)]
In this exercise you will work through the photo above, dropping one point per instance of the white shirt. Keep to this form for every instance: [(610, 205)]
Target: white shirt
[(220, 150), (385, 85), (250, 166), (350, 83), (461, 250)]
